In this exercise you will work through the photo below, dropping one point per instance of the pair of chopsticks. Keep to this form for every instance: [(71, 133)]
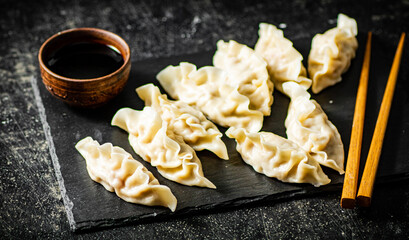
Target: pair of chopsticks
[(368, 178)]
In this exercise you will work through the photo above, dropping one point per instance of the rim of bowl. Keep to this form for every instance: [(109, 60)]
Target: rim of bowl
[(85, 29)]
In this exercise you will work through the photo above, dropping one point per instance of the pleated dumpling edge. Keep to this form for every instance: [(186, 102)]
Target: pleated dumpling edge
[(331, 53), (151, 139), (277, 157), (284, 62), (118, 172), (185, 121), (248, 72), (207, 89), (308, 125)]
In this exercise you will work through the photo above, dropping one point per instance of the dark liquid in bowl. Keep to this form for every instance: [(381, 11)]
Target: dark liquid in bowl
[(85, 60)]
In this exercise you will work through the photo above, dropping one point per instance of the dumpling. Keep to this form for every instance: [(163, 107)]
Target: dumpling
[(118, 172), (331, 53), (284, 62), (308, 126), (277, 157), (248, 72), (185, 121), (151, 139), (207, 89)]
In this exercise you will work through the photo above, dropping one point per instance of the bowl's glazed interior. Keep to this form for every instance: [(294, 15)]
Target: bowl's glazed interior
[(88, 92)]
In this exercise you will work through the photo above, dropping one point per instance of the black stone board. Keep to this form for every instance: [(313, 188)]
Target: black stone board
[(89, 205)]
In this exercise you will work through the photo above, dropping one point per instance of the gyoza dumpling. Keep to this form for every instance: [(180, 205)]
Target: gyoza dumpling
[(308, 126), (185, 121), (117, 171), (277, 157), (331, 53), (248, 72), (207, 89), (284, 62), (150, 138)]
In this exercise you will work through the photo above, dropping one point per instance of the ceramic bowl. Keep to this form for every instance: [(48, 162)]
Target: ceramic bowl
[(88, 93)]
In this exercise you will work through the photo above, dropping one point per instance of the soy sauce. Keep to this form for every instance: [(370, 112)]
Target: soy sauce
[(85, 60)]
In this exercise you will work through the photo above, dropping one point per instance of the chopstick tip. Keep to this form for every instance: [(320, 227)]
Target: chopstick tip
[(348, 203), (402, 37), (363, 201)]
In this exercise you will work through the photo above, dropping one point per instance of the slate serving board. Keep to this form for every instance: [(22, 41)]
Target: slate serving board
[(89, 205)]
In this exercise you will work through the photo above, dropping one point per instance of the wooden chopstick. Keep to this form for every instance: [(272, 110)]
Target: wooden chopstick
[(372, 161), (354, 153)]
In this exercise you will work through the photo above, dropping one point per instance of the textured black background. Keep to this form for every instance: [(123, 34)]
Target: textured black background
[(30, 200)]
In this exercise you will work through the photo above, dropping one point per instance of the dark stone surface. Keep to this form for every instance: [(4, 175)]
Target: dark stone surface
[(30, 199), (237, 183)]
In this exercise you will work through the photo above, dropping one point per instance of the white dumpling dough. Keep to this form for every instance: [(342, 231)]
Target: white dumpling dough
[(284, 62), (208, 90), (308, 126), (248, 72), (118, 172), (331, 53), (277, 157), (185, 121), (151, 139)]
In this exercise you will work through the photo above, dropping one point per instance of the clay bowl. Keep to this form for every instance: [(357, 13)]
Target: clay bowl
[(86, 93)]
